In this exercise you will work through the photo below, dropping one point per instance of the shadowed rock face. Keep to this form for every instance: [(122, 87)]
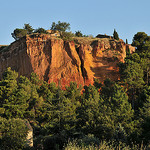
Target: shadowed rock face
[(55, 60)]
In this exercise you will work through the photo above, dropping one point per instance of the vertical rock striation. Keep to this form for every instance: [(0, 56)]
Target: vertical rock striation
[(55, 60)]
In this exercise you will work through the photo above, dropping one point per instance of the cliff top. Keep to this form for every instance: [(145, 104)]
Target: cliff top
[(90, 40), (44, 37)]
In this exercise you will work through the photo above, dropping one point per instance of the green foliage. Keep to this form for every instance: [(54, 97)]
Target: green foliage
[(63, 28), (60, 26), (67, 36), (99, 112), (19, 33), (97, 83), (115, 35), (78, 34), (116, 110), (104, 145), (139, 40), (112, 111), (13, 134), (41, 30), (88, 111), (145, 114), (133, 74), (73, 92), (28, 28)]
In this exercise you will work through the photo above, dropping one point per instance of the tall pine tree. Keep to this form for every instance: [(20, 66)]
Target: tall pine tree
[(115, 35)]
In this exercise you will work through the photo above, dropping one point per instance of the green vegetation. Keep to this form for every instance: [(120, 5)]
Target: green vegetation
[(64, 29), (108, 115), (67, 36), (104, 112), (60, 26), (115, 35), (19, 33), (78, 34), (76, 145), (28, 28), (41, 30), (13, 134)]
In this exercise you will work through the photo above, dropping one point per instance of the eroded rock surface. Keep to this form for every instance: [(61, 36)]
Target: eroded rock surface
[(55, 60)]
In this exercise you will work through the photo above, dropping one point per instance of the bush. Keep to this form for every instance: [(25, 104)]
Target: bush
[(41, 30), (67, 36)]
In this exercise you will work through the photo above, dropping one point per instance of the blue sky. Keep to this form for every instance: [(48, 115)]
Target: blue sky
[(89, 16)]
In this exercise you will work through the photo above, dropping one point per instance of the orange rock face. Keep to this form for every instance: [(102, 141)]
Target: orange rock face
[(55, 60), (100, 61)]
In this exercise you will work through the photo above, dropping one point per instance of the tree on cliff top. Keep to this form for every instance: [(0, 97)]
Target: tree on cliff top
[(60, 26), (28, 28), (78, 34), (19, 33), (41, 30), (115, 35)]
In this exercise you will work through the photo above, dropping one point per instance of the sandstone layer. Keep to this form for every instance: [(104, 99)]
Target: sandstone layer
[(55, 60)]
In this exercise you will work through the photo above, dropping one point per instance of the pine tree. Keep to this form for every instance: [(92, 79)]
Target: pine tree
[(13, 134), (115, 35), (145, 115), (115, 110)]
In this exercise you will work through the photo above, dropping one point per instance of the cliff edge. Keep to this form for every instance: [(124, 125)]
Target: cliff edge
[(55, 60)]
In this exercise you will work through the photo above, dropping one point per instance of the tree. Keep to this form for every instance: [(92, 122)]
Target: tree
[(126, 41), (28, 28), (13, 97), (13, 134), (41, 30), (145, 64), (8, 86), (145, 115), (88, 112), (139, 40), (78, 34), (60, 26), (19, 33), (115, 110), (115, 35), (133, 77)]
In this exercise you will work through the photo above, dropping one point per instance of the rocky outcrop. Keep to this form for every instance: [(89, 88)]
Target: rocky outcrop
[(100, 59), (55, 60)]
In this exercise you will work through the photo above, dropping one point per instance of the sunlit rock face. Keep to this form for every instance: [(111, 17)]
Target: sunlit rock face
[(55, 60)]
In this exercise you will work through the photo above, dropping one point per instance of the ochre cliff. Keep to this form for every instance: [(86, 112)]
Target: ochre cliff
[(55, 60)]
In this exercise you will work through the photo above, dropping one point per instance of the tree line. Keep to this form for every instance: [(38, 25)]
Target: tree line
[(62, 27)]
